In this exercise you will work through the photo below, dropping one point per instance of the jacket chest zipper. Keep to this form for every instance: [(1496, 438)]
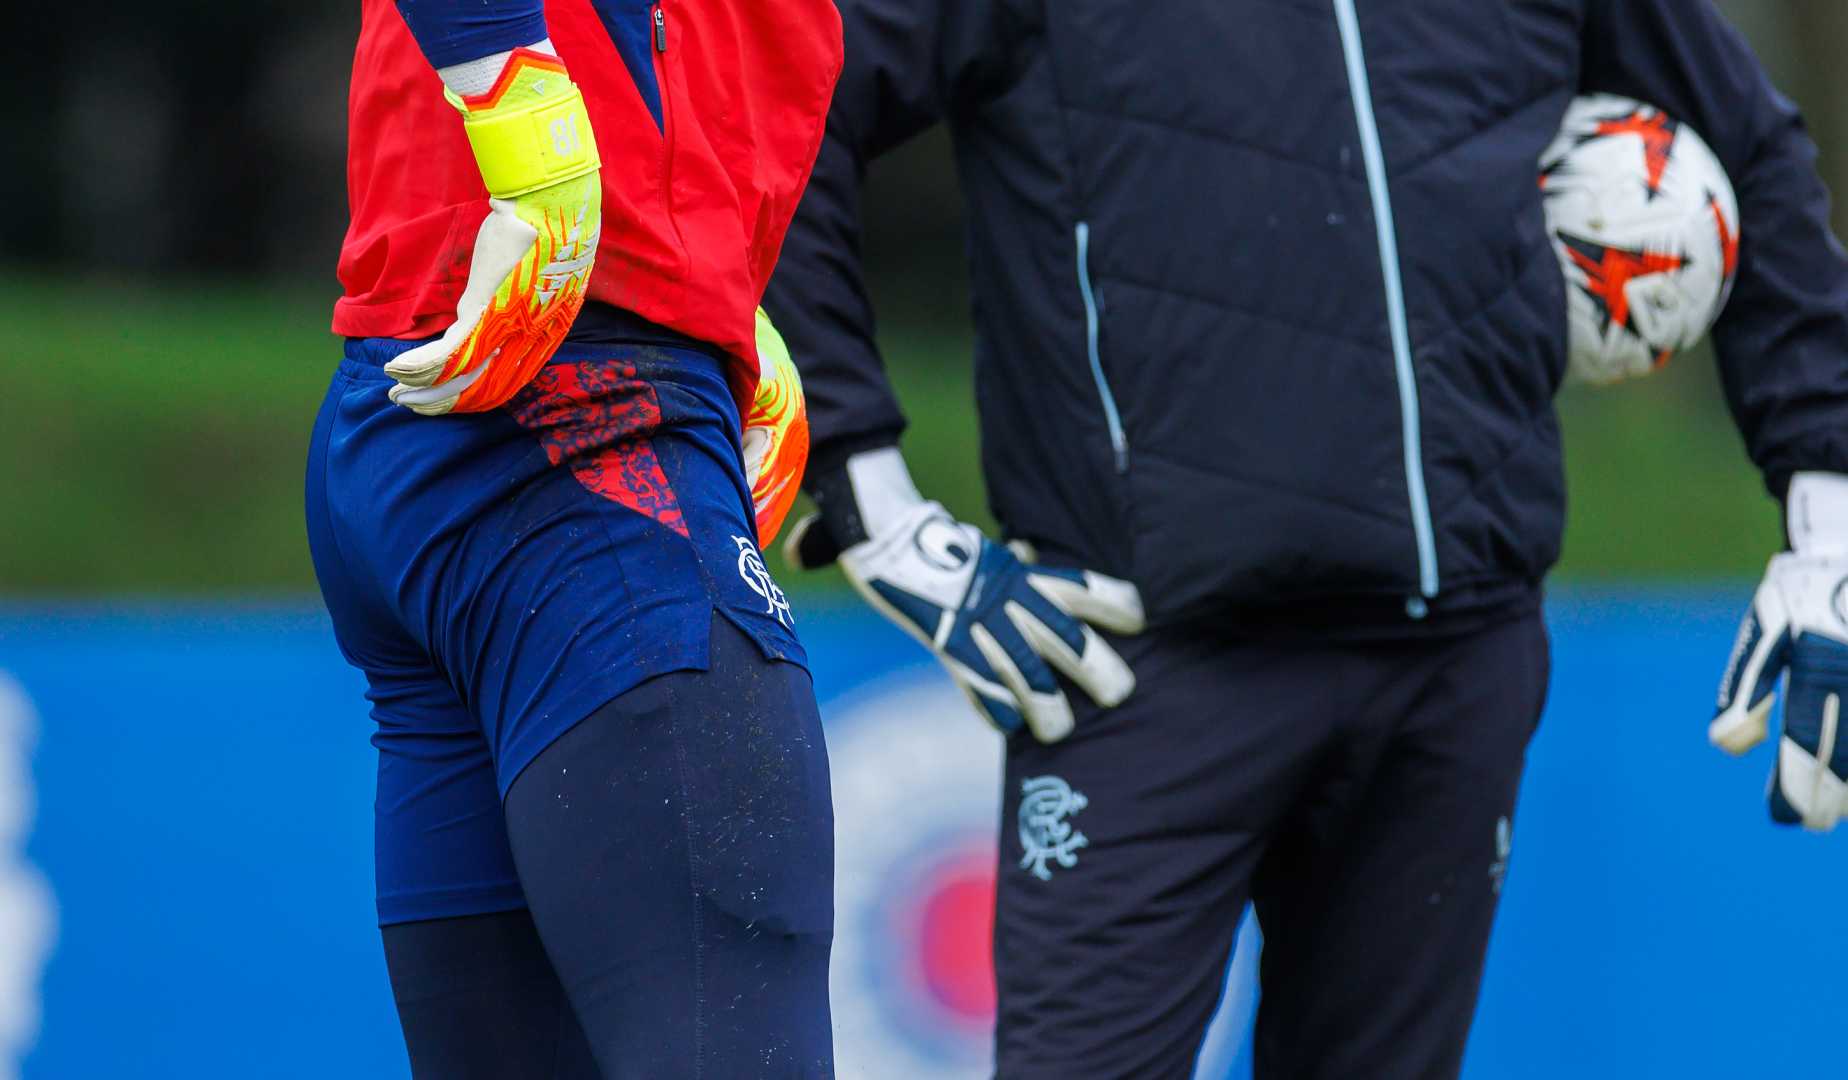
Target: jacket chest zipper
[(658, 35), (1374, 157)]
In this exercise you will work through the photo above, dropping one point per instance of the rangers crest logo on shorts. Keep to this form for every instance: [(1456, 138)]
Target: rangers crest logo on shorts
[(751, 568), (1045, 834)]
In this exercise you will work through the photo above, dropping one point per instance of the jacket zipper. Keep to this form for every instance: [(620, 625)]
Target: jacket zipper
[(658, 16), (1119, 444), (1375, 158)]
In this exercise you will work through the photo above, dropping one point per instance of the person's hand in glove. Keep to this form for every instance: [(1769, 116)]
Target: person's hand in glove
[(776, 434), (1001, 625), (533, 255), (1797, 632)]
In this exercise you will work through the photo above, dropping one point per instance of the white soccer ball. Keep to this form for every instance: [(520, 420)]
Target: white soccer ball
[(1646, 226)]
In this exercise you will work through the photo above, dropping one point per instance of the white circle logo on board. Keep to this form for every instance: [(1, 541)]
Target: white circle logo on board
[(916, 792), (28, 910)]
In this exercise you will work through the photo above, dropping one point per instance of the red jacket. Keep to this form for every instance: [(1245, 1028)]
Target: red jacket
[(694, 210)]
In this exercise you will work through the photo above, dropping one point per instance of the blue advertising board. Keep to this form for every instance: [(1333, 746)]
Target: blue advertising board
[(193, 897)]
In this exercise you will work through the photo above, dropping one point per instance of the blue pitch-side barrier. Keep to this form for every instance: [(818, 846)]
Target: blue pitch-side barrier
[(204, 786)]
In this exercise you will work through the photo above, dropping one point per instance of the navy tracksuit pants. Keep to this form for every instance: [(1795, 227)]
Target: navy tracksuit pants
[(1360, 795)]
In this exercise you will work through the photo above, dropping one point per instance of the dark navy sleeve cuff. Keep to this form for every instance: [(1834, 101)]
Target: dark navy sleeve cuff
[(452, 33)]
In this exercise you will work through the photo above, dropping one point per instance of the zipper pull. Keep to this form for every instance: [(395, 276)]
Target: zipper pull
[(660, 29)]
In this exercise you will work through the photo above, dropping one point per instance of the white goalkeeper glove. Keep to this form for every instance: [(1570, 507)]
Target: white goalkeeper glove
[(1797, 631), (999, 624)]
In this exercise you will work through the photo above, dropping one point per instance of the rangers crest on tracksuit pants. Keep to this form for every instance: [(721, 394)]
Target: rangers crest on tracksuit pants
[(1361, 795)]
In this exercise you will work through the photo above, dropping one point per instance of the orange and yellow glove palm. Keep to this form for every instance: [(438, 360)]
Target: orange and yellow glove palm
[(776, 434), (534, 253)]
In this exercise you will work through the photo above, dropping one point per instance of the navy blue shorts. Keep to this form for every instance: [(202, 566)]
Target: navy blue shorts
[(500, 576)]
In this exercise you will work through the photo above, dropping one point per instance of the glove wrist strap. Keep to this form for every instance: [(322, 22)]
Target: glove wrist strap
[(869, 493), (1816, 514), (882, 488), (530, 130)]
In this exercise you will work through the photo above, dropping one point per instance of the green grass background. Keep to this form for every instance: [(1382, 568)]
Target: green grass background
[(152, 439)]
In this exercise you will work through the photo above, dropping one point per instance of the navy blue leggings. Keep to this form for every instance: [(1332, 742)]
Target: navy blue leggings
[(676, 852)]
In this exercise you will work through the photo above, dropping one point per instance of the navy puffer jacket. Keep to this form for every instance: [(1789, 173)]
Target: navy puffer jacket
[(1266, 313)]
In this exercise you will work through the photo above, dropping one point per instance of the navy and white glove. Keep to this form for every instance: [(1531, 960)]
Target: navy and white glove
[(1000, 624), (1797, 631)]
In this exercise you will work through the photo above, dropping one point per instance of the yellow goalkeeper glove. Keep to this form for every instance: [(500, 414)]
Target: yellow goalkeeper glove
[(776, 434), (533, 256)]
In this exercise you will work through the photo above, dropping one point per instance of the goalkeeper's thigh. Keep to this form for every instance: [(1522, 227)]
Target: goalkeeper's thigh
[(676, 849)]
